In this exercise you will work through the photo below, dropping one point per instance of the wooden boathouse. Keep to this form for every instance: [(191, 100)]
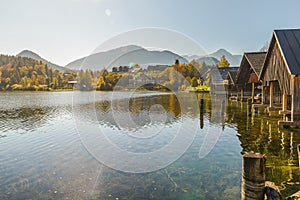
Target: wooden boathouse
[(232, 89), (247, 78), (280, 76)]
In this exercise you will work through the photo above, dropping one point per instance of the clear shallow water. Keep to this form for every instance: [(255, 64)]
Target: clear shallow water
[(43, 157)]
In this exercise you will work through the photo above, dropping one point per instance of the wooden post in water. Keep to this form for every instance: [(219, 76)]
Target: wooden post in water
[(298, 149), (201, 113), (284, 102), (271, 94), (253, 176), (249, 107), (242, 94), (252, 92)]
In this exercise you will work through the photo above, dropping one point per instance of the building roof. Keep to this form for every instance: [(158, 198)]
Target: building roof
[(251, 62), (256, 61), (232, 76), (288, 41)]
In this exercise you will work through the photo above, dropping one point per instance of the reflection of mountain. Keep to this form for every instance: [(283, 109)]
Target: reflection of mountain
[(126, 55)]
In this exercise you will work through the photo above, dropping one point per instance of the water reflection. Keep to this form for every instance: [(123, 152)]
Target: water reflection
[(51, 163), (24, 120), (261, 133)]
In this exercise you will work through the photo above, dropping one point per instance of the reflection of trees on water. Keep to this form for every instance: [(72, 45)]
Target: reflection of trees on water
[(258, 133), (23, 120), (261, 133), (140, 108)]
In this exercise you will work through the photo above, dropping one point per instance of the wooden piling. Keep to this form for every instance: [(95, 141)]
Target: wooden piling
[(201, 113), (249, 106), (253, 176), (284, 102), (252, 92), (298, 149), (271, 95)]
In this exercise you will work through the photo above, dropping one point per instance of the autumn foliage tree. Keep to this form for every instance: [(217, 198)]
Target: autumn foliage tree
[(223, 62), (18, 73)]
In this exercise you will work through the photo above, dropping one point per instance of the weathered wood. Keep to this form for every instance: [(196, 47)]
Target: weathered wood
[(242, 94), (253, 176), (276, 69), (289, 123), (285, 112), (298, 149), (284, 102), (252, 92), (249, 107), (295, 116), (271, 95)]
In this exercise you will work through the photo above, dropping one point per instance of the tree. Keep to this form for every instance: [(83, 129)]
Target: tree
[(194, 82), (55, 82), (25, 82), (223, 62)]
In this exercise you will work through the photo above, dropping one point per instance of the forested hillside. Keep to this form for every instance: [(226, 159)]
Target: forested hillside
[(18, 73)]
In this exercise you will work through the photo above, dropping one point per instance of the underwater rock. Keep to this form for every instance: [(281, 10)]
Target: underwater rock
[(272, 191)]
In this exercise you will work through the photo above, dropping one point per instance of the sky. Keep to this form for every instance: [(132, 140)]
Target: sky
[(64, 30)]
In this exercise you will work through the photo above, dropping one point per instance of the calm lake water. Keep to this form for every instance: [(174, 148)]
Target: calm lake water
[(44, 154)]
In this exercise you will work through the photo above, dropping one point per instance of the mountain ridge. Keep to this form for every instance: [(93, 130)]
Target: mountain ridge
[(30, 54), (132, 54), (234, 60), (126, 55)]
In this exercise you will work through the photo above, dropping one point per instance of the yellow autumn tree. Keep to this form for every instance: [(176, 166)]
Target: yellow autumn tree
[(223, 62)]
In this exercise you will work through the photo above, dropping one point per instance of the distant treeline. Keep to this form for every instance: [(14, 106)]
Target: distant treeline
[(175, 77), (20, 73)]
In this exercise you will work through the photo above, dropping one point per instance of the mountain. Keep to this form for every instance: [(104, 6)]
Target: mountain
[(191, 57), (208, 60), (30, 54), (127, 55), (234, 60)]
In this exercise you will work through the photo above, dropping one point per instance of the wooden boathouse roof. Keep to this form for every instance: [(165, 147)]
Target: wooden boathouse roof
[(251, 62), (256, 61), (231, 77), (289, 44)]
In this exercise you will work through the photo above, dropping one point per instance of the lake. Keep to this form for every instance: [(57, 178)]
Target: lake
[(142, 145)]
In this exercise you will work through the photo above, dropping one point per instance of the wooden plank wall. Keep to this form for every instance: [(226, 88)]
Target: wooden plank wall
[(277, 70), (296, 99)]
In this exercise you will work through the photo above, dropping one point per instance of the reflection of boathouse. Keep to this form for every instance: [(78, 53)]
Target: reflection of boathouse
[(280, 75), (219, 81)]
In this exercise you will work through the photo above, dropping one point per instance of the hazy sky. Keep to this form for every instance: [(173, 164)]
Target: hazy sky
[(64, 30)]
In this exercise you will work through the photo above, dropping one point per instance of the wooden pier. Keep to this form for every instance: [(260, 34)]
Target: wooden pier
[(280, 76)]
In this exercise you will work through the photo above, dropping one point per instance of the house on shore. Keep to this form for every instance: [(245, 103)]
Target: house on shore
[(247, 78), (280, 75)]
